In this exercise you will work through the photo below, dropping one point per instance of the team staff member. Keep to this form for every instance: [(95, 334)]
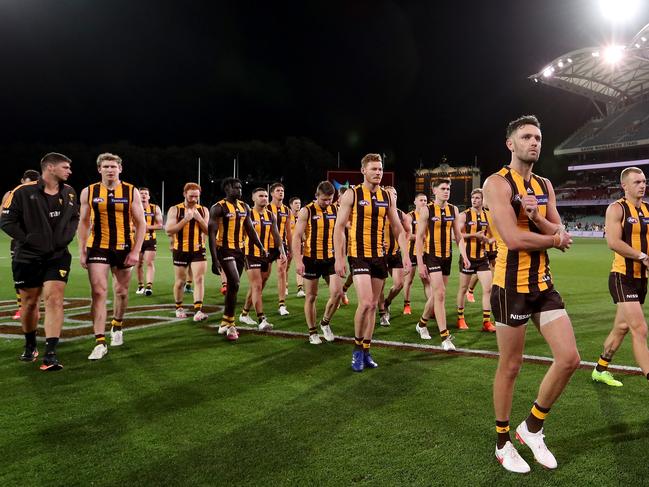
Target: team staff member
[(28, 176), (281, 212), (366, 207), (153, 219), (433, 246), (228, 227), (295, 204), (257, 264), (187, 225), (420, 201), (525, 222), (315, 259), (108, 208), (393, 261), (475, 232), (42, 216), (627, 235)]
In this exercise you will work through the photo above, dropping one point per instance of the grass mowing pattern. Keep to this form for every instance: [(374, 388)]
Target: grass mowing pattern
[(177, 405)]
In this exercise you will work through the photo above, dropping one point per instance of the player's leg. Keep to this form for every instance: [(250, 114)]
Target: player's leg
[(149, 262), (199, 268), (180, 277), (612, 343), (485, 278), (465, 279), (98, 275)]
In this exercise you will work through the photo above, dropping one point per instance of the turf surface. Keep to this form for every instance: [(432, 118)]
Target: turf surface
[(178, 405)]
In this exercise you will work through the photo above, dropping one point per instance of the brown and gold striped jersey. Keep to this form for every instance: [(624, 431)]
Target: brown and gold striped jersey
[(438, 235), (476, 221), (319, 231), (523, 271), (634, 233), (262, 223), (368, 216), (149, 218), (282, 214), (231, 234), (190, 238), (110, 216), (391, 243)]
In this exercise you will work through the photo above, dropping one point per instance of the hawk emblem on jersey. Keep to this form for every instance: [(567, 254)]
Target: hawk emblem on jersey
[(632, 220), (364, 203), (98, 200)]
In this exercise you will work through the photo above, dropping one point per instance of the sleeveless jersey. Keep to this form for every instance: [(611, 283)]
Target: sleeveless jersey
[(440, 223), (149, 218), (475, 222), (190, 238), (368, 216), (282, 214), (391, 243), (319, 231), (262, 224), (231, 234), (523, 271), (634, 233), (110, 216)]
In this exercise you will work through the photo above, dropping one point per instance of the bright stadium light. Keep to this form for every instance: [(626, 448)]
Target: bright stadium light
[(613, 54), (547, 72), (619, 10)]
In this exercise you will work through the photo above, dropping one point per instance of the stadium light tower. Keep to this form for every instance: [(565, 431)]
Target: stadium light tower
[(619, 11)]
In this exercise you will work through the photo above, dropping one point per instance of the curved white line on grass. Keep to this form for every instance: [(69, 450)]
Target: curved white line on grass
[(436, 348)]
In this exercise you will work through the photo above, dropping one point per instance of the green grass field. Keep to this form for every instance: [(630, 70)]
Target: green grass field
[(179, 405)]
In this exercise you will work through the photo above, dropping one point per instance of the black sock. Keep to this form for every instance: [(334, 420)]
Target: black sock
[(502, 430), (50, 344), (30, 339), (535, 419)]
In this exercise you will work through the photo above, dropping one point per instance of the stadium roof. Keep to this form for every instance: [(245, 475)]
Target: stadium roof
[(614, 75)]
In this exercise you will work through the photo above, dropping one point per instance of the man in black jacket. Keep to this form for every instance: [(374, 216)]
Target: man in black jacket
[(42, 216)]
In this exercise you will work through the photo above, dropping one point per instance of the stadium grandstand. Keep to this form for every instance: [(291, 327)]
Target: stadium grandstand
[(616, 81)]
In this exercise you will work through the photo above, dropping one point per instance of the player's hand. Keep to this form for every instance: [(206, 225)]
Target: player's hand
[(299, 267), (282, 258), (407, 265), (341, 268), (132, 258), (423, 271), (216, 268), (563, 240), (83, 258), (467, 264), (531, 206), (265, 252), (190, 213)]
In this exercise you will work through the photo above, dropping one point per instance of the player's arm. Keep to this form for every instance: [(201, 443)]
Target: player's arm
[(457, 231), (252, 233), (216, 213), (399, 234), (342, 219), (461, 219), (298, 235), (83, 230), (276, 236), (614, 218), (289, 235), (422, 228), (498, 195), (551, 223), (11, 220), (173, 225), (137, 217), (406, 223), (157, 220), (4, 198), (73, 222)]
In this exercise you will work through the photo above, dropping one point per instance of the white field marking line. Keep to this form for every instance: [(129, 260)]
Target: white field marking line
[(436, 348)]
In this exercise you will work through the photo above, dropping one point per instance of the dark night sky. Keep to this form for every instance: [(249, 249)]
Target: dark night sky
[(413, 79)]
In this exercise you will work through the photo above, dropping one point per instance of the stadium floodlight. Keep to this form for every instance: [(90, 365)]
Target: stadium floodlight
[(595, 54), (560, 64), (547, 72), (569, 60), (619, 10), (613, 54)]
